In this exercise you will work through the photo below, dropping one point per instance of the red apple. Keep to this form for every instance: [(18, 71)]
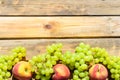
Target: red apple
[(98, 72), (62, 72), (22, 71)]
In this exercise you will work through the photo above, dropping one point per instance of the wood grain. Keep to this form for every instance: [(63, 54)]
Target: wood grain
[(59, 27), (38, 46), (59, 7)]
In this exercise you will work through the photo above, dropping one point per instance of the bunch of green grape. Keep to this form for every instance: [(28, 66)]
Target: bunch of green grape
[(114, 68), (5, 67), (100, 55), (79, 61), (42, 65), (8, 61)]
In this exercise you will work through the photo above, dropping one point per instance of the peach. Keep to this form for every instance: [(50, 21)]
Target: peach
[(62, 72), (98, 72), (22, 71)]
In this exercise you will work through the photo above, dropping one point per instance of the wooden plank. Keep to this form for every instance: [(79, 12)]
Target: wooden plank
[(38, 46), (59, 7), (47, 27)]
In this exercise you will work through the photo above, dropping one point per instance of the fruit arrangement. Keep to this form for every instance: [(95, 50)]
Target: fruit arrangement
[(86, 63)]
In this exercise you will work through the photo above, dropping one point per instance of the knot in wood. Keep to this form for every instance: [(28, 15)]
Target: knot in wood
[(48, 26)]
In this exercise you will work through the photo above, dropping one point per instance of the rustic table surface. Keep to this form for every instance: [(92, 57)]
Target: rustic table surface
[(30, 23), (59, 7)]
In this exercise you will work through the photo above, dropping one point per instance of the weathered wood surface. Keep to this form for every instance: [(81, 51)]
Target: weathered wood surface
[(59, 7), (38, 46), (54, 27)]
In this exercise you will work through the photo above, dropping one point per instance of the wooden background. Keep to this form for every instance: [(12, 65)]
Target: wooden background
[(59, 7), (35, 33), (35, 24)]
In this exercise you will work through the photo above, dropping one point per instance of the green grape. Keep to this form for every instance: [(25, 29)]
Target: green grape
[(104, 62), (39, 65), (9, 67), (53, 62), (3, 73), (87, 58), (85, 50), (82, 61), (1, 77), (96, 60), (55, 58), (82, 45), (75, 77), (37, 76), (76, 72), (35, 58), (8, 74), (48, 64), (43, 72), (54, 46), (16, 60), (68, 61), (117, 76), (87, 73), (101, 59), (82, 55), (77, 64), (20, 55), (58, 54), (1, 65), (82, 74), (79, 69), (78, 49), (48, 56), (77, 57), (51, 70), (59, 45), (84, 66), (72, 60), (0, 70), (87, 78), (50, 49), (5, 68), (47, 72)]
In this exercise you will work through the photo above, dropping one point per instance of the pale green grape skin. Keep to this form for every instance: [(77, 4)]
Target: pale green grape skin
[(50, 49), (75, 77), (76, 72), (96, 60), (117, 76), (51, 70), (82, 61), (82, 74), (84, 66), (39, 65), (1, 78), (112, 70), (37, 76), (77, 64), (3, 73), (8, 74)]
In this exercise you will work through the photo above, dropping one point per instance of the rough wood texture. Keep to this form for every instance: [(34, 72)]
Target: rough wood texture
[(32, 27), (59, 7)]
